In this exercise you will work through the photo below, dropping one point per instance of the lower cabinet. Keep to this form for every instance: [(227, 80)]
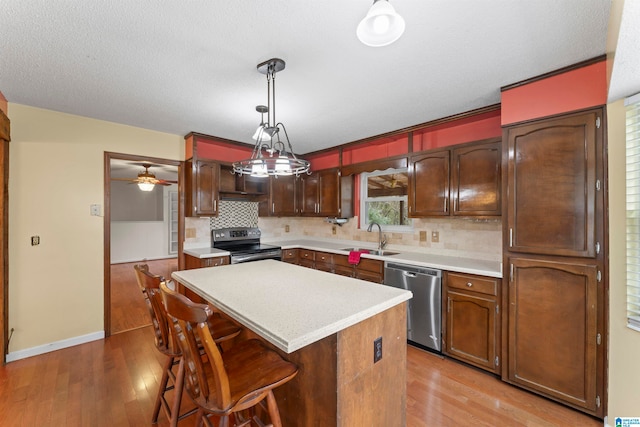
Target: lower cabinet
[(290, 256), (555, 347), (191, 262), (471, 320), (371, 270)]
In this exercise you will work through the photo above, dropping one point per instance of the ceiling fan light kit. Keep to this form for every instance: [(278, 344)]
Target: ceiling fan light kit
[(271, 155), (382, 25)]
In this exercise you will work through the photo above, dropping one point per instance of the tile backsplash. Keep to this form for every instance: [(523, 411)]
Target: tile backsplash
[(475, 238)]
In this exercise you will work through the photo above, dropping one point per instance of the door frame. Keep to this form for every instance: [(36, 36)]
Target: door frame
[(108, 156), (4, 245)]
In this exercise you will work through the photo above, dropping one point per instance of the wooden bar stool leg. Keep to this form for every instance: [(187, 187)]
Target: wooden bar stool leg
[(274, 412), (163, 387), (177, 394)]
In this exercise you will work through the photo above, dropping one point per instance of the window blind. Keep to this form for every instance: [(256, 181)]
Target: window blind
[(633, 210)]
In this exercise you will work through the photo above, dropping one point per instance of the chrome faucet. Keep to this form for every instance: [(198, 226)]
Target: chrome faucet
[(382, 242)]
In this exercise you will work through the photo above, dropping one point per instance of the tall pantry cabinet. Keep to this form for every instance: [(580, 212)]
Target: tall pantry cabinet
[(554, 257)]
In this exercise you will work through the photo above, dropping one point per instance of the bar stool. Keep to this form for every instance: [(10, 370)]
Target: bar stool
[(225, 384), (167, 343)]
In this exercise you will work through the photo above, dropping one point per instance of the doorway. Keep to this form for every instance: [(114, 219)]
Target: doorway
[(139, 227)]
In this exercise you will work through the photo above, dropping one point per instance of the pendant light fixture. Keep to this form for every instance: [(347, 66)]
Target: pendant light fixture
[(271, 156), (382, 25)]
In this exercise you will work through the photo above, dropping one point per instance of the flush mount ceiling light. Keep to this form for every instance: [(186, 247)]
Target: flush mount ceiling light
[(382, 25), (271, 156)]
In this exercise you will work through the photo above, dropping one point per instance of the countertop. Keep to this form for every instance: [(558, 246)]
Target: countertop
[(288, 305), (442, 262)]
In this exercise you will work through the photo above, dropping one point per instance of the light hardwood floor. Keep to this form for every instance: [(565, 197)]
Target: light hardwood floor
[(128, 309)]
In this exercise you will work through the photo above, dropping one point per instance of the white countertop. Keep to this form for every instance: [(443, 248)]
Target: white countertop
[(443, 262), (288, 305)]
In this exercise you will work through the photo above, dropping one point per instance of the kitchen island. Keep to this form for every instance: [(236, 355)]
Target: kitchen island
[(326, 324)]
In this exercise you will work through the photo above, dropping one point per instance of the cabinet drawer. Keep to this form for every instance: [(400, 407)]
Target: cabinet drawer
[(342, 260), (324, 257), (306, 254), (289, 254), (217, 261), (372, 265), (483, 285)]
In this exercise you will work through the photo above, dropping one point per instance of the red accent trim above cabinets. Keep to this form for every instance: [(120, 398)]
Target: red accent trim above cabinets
[(481, 126), (574, 90), (222, 152), (325, 160), (377, 149)]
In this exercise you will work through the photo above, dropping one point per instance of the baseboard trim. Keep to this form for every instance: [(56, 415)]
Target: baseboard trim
[(58, 345)]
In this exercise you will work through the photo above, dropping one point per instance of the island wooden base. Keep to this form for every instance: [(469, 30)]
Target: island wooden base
[(338, 383)]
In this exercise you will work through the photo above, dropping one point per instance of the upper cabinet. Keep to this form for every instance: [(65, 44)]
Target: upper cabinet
[(283, 196), (475, 179), (321, 194), (460, 181), (429, 184), (203, 177), (552, 186)]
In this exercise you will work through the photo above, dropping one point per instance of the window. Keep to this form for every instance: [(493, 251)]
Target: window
[(633, 211), (384, 199)]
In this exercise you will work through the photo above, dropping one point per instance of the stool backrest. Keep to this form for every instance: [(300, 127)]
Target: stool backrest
[(149, 284), (192, 328)]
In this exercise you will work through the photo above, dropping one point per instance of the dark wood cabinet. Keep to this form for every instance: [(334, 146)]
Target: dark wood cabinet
[(465, 180), (429, 184), (371, 270), (471, 320), (553, 334), (476, 179), (555, 256), (326, 193), (306, 258), (244, 187), (552, 183), (290, 256), (192, 262), (202, 178), (283, 196)]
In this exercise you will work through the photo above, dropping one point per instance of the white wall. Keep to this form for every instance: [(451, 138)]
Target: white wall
[(133, 241), (56, 172)]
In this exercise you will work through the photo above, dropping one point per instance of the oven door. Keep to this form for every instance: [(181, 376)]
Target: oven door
[(240, 257)]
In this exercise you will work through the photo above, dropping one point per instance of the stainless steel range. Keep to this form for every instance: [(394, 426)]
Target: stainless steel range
[(244, 244)]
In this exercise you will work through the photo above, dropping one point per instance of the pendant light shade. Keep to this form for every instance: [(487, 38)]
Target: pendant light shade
[(382, 25), (271, 155), (145, 186)]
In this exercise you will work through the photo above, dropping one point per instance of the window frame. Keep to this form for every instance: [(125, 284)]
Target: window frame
[(632, 209), (364, 218)]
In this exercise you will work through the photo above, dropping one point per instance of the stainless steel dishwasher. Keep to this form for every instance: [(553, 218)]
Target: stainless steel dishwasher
[(424, 310)]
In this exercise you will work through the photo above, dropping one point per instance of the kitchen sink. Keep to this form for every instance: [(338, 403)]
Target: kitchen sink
[(371, 251)]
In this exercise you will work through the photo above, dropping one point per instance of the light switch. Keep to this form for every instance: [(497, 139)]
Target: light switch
[(95, 210), (435, 236)]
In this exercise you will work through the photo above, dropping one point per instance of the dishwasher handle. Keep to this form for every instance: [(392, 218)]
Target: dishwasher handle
[(409, 274)]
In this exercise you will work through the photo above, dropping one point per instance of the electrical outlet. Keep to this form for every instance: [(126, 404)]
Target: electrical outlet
[(423, 236), (377, 349), (286, 228), (35, 240), (435, 236), (333, 229), (94, 210), (190, 233)]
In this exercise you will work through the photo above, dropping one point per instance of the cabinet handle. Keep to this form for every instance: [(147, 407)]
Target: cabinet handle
[(469, 284), (445, 204), (511, 237), (273, 207)]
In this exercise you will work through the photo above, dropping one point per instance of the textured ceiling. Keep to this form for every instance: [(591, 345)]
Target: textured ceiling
[(181, 66)]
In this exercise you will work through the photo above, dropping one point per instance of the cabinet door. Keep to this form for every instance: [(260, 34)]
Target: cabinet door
[(309, 194), (552, 330), (471, 329), (329, 193), (283, 196), (429, 184), (552, 186), (205, 188), (476, 180)]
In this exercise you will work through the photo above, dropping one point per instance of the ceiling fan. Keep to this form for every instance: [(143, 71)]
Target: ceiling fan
[(146, 180)]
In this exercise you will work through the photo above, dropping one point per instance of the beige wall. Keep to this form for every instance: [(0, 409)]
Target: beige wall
[(624, 343), (56, 173)]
